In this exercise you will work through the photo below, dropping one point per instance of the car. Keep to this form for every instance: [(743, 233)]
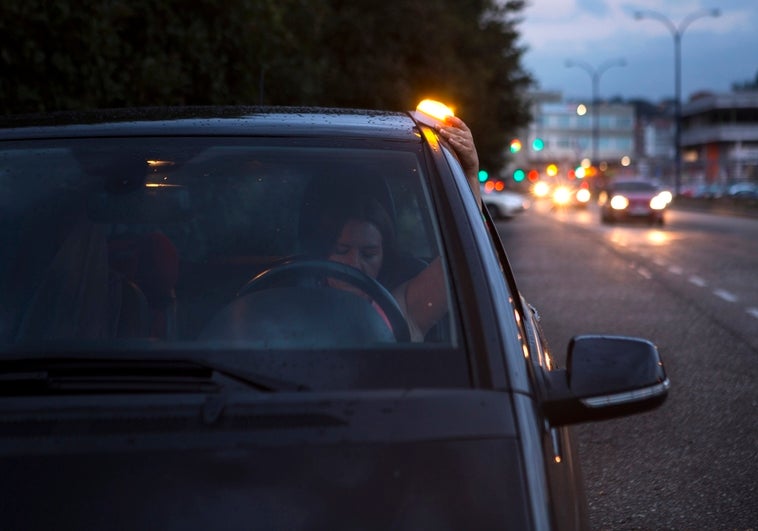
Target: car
[(541, 189), (743, 190), (709, 191), (571, 196), (177, 353), (633, 199), (504, 204)]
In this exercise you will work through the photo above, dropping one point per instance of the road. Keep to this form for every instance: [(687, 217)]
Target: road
[(692, 288)]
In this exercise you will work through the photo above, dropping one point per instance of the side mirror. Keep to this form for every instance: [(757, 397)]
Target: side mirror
[(606, 377)]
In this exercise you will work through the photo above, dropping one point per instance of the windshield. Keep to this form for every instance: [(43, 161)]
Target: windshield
[(152, 244), (634, 186)]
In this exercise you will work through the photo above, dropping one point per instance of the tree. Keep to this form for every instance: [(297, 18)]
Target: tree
[(74, 54), (746, 85), (462, 52)]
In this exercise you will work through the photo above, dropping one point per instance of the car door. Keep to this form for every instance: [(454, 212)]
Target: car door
[(565, 482)]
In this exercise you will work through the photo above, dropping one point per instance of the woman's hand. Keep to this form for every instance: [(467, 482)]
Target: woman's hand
[(459, 136)]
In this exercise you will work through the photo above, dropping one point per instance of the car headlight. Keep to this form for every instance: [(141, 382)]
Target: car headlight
[(619, 202), (658, 202), (561, 195), (541, 189), (583, 195)]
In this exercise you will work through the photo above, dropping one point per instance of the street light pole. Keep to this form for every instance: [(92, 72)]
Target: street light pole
[(595, 74), (676, 32)]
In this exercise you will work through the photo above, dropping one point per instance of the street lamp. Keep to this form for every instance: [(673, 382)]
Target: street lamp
[(595, 74), (676, 32)]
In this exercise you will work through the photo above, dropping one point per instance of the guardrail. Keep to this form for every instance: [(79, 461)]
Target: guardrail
[(718, 205)]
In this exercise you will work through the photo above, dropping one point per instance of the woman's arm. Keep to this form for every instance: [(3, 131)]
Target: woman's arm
[(423, 298)]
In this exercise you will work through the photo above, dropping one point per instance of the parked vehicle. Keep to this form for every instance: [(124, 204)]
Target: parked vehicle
[(177, 353), (744, 190), (710, 191), (504, 204)]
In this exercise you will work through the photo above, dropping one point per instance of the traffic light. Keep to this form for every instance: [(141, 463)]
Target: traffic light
[(518, 175), (551, 170), (533, 175), (483, 176), (538, 144), (515, 145)]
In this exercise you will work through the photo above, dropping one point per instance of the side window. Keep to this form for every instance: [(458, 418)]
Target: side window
[(412, 220)]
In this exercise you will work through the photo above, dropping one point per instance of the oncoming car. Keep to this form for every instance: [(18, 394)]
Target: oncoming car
[(633, 199), (565, 195), (180, 352)]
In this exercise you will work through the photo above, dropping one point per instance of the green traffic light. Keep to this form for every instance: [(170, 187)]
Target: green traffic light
[(483, 176), (538, 144), (519, 175)]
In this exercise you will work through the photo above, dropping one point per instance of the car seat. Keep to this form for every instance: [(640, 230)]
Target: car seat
[(151, 262), (81, 297)]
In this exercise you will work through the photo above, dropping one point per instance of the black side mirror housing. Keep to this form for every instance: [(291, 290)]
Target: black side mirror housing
[(606, 377)]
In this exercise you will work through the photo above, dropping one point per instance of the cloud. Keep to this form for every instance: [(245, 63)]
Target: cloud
[(716, 52), (571, 26)]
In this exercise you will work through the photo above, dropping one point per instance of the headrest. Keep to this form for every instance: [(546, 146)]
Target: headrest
[(150, 260)]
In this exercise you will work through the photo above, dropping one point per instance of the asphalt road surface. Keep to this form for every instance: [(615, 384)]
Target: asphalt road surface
[(691, 287)]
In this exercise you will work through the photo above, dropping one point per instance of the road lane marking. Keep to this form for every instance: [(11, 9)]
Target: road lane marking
[(753, 312), (660, 262), (728, 297), (697, 281), (644, 273), (675, 269)]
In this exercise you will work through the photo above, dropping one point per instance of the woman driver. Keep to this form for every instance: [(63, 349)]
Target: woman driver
[(365, 240)]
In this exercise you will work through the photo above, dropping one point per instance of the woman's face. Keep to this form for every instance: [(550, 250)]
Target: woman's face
[(359, 245)]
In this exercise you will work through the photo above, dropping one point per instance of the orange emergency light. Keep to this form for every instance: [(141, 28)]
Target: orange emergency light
[(432, 112)]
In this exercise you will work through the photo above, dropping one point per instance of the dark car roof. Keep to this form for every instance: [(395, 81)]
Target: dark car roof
[(294, 121)]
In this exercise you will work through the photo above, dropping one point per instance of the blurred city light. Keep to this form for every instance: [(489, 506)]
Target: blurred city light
[(515, 145), (595, 74)]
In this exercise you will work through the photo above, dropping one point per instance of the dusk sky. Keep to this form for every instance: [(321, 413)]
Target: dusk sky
[(715, 52)]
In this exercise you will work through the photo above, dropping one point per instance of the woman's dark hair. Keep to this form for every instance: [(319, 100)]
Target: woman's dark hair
[(332, 218), (328, 203)]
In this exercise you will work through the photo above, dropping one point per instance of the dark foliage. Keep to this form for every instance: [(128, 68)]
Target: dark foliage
[(83, 54)]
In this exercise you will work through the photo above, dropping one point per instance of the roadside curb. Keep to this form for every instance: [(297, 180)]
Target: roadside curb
[(721, 206)]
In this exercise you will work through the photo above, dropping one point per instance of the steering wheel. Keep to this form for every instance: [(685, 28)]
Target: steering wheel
[(298, 271)]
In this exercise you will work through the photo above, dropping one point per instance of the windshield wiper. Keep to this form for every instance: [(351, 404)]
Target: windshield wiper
[(260, 381), (41, 376)]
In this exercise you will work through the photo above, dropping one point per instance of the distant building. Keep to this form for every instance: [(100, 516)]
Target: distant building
[(564, 134), (720, 138)]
